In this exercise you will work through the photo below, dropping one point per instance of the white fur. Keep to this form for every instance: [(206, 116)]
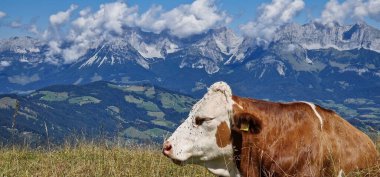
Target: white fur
[(197, 144), (315, 112), (341, 173)]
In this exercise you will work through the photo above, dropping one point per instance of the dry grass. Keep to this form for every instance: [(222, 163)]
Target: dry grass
[(92, 160), (370, 172)]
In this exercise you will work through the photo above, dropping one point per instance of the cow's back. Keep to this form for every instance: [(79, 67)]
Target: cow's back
[(345, 147), (299, 140)]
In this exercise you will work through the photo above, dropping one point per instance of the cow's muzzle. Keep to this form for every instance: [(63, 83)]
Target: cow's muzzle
[(167, 151)]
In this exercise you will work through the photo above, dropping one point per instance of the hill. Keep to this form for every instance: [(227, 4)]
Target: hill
[(142, 113)]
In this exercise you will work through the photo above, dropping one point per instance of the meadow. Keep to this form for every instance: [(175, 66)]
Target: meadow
[(90, 159), (97, 159)]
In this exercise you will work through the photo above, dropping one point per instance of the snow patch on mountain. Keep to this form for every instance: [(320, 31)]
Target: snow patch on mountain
[(157, 47), (314, 36), (21, 45), (359, 71), (92, 59), (227, 41)]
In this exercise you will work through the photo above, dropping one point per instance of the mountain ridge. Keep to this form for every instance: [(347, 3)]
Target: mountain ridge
[(284, 69)]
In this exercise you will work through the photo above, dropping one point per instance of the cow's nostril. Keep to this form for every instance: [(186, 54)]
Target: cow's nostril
[(167, 147)]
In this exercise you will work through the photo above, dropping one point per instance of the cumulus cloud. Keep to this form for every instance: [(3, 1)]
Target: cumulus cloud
[(23, 79), (272, 15), (63, 16), (111, 19), (350, 10), (33, 29), (90, 29), (5, 63), (15, 24), (184, 20), (2, 14)]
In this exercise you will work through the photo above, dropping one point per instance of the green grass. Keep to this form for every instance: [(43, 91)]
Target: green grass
[(53, 96), (177, 102), (159, 115), (84, 100), (141, 103), (92, 160), (132, 132), (163, 122), (148, 134)]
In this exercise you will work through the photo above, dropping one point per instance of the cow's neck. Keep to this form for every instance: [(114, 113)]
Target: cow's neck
[(223, 166)]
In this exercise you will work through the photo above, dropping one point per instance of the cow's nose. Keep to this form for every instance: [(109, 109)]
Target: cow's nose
[(166, 148)]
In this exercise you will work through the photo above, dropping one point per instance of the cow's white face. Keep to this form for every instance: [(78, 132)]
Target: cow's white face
[(204, 137)]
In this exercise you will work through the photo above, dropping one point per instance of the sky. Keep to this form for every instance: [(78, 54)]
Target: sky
[(32, 18)]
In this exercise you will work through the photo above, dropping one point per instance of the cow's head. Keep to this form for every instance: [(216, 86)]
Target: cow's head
[(204, 137)]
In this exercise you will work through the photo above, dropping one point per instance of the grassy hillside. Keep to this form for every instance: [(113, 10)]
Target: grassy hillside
[(92, 160), (89, 159), (143, 113)]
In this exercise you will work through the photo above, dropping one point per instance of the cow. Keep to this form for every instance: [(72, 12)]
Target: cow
[(235, 136)]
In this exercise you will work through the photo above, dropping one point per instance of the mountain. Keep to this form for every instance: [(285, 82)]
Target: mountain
[(334, 65), (134, 112), (318, 36), (129, 112)]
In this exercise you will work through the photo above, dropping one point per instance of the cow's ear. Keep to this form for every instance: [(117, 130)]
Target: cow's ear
[(248, 123)]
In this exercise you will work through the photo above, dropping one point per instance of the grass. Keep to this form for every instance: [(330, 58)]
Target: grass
[(100, 159), (92, 160), (140, 103), (177, 102), (54, 96), (84, 100)]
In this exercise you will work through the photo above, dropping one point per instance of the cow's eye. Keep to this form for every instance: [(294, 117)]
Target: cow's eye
[(200, 120)]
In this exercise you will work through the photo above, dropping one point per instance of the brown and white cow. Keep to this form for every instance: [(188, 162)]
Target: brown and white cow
[(234, 136)]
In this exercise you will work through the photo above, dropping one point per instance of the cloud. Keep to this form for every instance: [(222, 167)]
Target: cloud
[(184, 20), (355, 10), (2, 14), (33, 29), (23, 79), (5, 63), (63, 16), (272, 15), (111, 19), (90, 29), (15, 24)]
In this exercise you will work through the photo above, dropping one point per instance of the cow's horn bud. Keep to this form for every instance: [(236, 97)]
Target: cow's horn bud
[(221, 87)]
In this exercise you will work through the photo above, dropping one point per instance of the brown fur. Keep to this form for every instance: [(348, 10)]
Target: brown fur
[(222, 135), (287, 140)]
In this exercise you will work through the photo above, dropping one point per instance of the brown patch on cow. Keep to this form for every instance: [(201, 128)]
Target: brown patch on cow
[(288, 140), (223, 135)]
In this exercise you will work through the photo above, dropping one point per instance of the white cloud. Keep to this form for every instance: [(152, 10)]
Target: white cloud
[(272, 15), (184, 20), (23, 79), (15, 24), (62, 16), (2, 14), (5, 63), (350, 10), (33, 29), (92, 28), (85, 11)]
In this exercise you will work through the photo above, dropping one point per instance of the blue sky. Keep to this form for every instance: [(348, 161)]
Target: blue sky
[(17, 17)]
